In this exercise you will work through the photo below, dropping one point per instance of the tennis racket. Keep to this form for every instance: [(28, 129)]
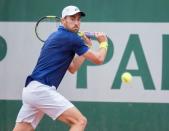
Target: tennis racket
[(48, 24), (45, 26)]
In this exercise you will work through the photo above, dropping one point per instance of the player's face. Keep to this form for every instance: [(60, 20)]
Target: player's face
[(72, 23)]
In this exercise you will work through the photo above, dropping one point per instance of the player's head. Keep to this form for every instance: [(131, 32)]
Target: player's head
[(71, 18)]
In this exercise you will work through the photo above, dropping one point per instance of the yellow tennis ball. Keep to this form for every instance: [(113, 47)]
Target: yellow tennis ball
[(126, 77)]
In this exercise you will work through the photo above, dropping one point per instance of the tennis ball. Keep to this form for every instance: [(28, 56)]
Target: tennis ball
[(126, 77)]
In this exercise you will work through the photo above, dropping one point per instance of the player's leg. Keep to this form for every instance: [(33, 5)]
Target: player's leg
[(29, 115), (23, 126), (74, 119), (58, 107), (28, 118), (49, 101)]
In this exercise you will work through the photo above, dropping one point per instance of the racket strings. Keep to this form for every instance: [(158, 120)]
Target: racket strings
[(45, 26)]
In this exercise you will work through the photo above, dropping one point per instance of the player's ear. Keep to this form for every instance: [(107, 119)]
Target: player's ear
[(62, 21)]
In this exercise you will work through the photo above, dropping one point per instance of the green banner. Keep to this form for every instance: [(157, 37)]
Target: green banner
[(96, 10)]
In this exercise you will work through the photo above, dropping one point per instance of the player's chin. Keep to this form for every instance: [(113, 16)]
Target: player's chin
[(75, 30)]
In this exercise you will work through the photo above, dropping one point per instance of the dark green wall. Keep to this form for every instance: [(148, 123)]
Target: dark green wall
[(96, 10), (102, 116)]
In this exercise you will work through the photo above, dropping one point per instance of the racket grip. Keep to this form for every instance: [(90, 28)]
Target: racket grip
[(90, 34)]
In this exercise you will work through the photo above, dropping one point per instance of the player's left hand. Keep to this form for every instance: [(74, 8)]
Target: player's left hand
[(87, 40)]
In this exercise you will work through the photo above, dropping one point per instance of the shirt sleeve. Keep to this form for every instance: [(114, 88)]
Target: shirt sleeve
[(79, 46)]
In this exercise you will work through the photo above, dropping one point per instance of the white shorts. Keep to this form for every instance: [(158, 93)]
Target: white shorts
[(39, 99)]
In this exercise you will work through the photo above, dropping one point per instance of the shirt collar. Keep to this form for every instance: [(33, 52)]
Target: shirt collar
[(61, 27)]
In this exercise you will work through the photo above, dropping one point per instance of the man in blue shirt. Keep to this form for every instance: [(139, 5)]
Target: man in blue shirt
[(57, 56)]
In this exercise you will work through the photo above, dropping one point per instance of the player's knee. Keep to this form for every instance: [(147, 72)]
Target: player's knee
[(82, 121)]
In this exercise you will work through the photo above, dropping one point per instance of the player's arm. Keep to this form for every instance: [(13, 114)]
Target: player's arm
[(95, 57), (78, 60), (98, 57), (76, 63)]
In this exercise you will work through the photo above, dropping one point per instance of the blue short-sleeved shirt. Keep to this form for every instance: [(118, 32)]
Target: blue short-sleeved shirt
[(56, 56)]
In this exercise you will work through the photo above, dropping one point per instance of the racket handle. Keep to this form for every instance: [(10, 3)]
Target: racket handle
[(90, 34)]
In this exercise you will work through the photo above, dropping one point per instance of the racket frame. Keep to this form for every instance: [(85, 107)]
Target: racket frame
[(41, 19)]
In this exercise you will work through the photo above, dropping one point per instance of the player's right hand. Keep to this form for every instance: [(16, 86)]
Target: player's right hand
[(101, 37)]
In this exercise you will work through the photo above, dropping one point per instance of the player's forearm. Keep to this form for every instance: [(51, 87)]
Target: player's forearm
[(103, 50), (76, 63), (101, 55), (98, 57)]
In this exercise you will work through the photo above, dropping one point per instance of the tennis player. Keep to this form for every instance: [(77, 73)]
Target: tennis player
[(63, 50)]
